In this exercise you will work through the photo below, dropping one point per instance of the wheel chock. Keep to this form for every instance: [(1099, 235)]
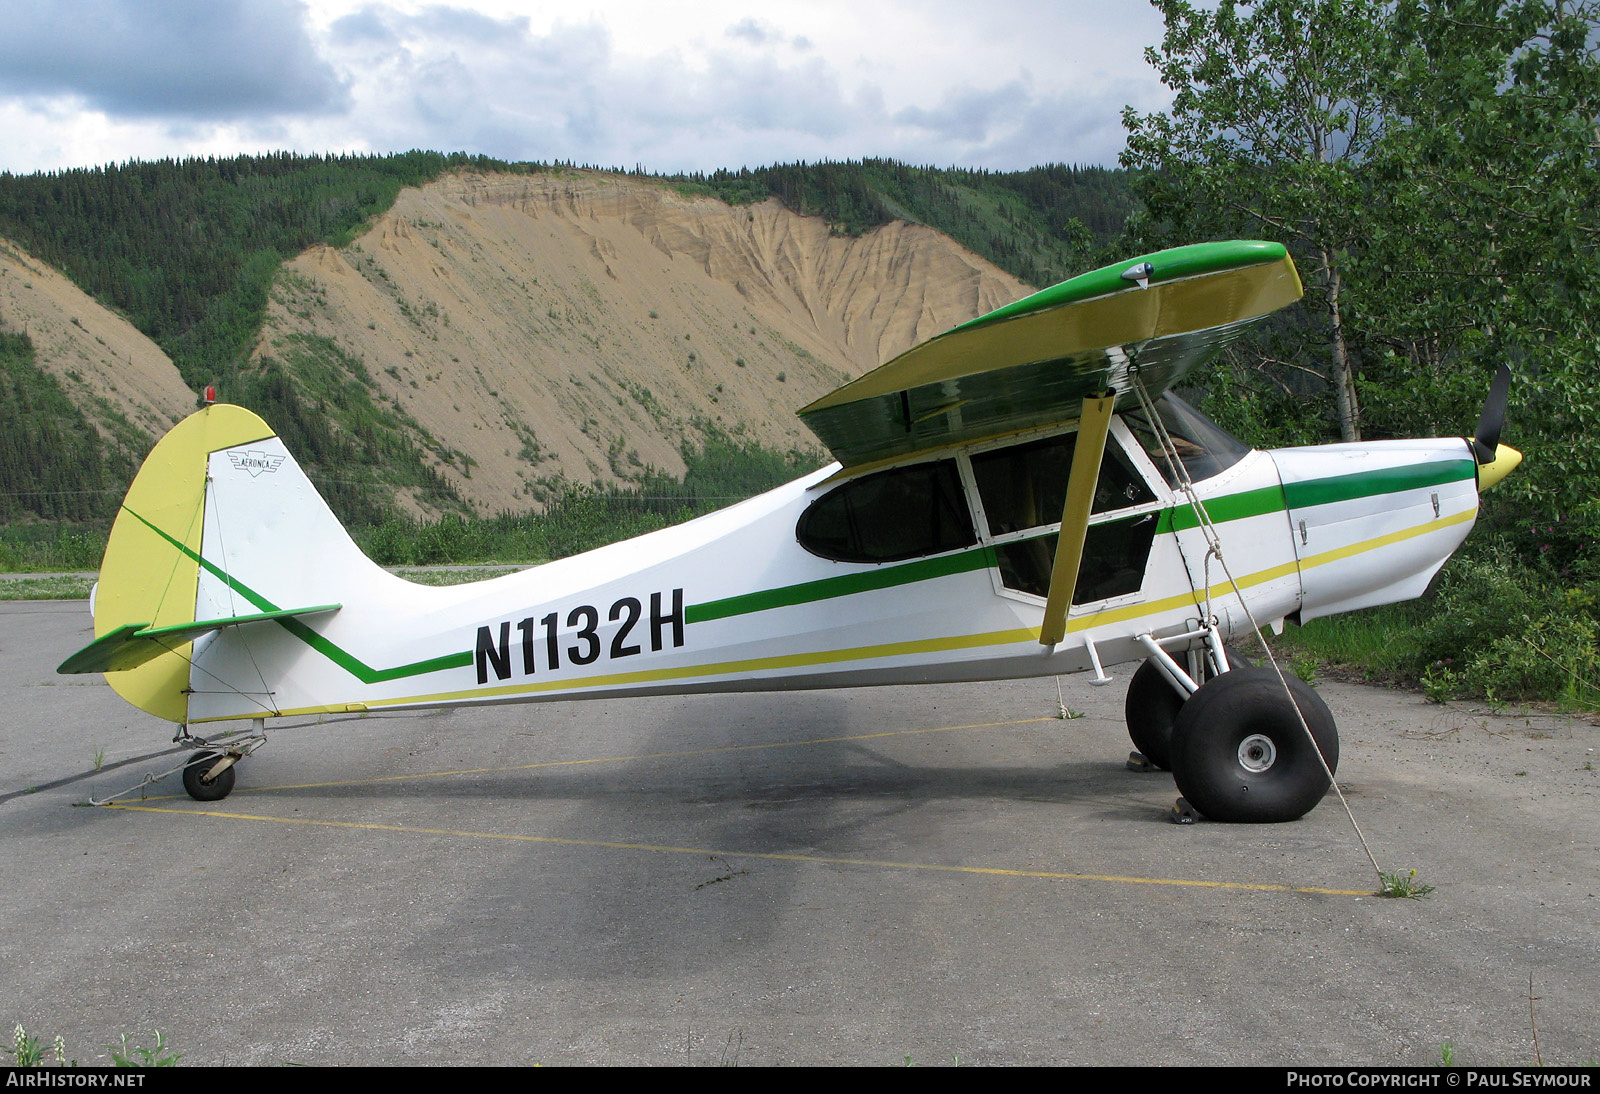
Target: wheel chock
[(1183, 812), (1138, 762)]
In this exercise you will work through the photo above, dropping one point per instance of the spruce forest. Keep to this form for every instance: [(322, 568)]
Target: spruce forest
[(1434, 165)]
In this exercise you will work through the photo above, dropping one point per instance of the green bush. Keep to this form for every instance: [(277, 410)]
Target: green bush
[(1496, 623), (1554, 657), (43, 548)]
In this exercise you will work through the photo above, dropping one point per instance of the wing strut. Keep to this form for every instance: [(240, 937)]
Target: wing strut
[(1094, 425)]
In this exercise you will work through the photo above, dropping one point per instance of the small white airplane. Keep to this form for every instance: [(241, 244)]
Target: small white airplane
[(1017, 497)]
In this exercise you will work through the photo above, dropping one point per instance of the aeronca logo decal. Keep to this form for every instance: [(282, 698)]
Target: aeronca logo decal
[(257, 463)]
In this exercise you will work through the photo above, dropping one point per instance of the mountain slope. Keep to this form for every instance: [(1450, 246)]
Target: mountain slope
[(581, 326), (118, 377)]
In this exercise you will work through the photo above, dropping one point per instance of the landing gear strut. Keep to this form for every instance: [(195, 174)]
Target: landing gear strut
[(209, 774), (1151, 708)]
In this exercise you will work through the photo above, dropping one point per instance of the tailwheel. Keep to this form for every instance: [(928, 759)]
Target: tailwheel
[(208, 777), (1239, 752), (1151, 708)]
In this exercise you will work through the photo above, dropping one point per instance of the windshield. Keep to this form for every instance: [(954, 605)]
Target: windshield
[(1203, 447)]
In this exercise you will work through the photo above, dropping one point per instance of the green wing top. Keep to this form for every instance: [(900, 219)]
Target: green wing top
[(1031, 363)]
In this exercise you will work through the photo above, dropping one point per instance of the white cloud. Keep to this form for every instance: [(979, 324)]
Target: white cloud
[(756, 33), (1006, 84), (215, 59)]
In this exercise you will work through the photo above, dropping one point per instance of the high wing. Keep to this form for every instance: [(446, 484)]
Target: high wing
[(1068, 352), (1031, 363)]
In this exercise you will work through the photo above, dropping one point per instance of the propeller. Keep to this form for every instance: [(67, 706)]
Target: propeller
[(1487, 438)]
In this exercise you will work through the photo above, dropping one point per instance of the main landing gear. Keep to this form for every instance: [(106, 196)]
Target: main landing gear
[(1232, 735), (1153, 702)]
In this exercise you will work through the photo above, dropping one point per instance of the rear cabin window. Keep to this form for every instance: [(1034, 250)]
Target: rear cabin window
[(1024, 487), (901, 513)]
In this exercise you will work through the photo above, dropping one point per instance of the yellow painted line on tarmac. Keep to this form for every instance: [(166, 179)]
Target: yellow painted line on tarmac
[(628, 759), (828, 860)]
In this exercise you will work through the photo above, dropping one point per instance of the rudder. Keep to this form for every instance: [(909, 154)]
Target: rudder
[(151, 570)]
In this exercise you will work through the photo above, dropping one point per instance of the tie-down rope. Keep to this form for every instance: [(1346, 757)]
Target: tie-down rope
[(1180, 475)]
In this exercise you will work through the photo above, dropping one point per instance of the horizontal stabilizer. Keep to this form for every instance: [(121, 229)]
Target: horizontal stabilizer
[(132, 644)]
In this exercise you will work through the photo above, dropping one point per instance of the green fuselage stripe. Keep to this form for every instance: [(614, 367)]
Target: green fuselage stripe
[(1303, 495), (1389, 480), (885, 577), (1249, 503), (353, 665)]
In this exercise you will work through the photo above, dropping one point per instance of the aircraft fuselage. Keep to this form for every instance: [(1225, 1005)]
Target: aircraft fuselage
[(829, 581)]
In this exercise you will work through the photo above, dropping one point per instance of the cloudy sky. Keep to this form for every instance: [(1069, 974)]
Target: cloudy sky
[(679, 86)]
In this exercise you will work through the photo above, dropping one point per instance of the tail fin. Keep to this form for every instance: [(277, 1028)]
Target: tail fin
[(218, 520)]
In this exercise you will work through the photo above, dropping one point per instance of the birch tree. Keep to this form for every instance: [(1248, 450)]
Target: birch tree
[(1275, 104)]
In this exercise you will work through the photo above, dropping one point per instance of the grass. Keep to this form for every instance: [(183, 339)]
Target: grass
[(1361, 638), (1403, 885), (46, 588), (955, 1061), (39, 547), (137, 1056), (26, 1051), (456, 577)]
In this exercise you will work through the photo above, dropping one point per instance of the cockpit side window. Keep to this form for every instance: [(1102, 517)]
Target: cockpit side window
[(1204, 448), (1025, 486), (1114, 556), (1022, 489), (901, 513)]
